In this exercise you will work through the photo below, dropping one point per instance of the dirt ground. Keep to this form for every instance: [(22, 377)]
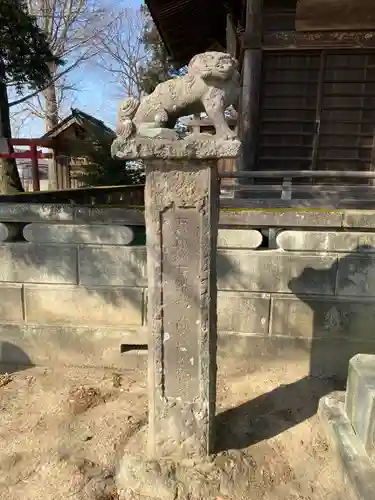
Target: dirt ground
[(62, 431)]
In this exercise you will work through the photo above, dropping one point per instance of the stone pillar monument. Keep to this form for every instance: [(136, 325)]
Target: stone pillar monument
[(182, 211), (182, 204)]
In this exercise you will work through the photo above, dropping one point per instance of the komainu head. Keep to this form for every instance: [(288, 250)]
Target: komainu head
[(213, 65)]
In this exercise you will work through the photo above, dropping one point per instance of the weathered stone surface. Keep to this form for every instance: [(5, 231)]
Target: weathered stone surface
[(109, 215), (29, 262), (323, 357), (276, 271), (359, 218), (256, 350), (112, 265), (282, 218), (326, 241), (239, 238), (211, 84), (145, 478), (358, 471), (243, 312), (330, 358), (154, 132), (69, 345), (181, 242), (134, 217), (11, 308), (356, 275), (316, 317), (9, 231), (147, 149), (182, 215), (360, 400), (31, 212), (77, 305), (78, 233)]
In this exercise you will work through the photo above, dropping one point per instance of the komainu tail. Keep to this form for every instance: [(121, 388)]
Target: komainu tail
[(126, 113)]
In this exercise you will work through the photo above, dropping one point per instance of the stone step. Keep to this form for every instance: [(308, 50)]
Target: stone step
[(359, 471), (360, 400)]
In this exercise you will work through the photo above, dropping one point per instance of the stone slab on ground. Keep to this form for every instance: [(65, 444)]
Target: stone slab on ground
[(360, 400), (358, 470)]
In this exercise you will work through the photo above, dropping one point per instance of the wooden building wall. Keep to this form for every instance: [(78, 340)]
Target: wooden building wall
[(308, 100), (71, 160)]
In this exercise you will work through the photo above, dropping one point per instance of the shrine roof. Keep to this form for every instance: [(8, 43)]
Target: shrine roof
[(189, 27)]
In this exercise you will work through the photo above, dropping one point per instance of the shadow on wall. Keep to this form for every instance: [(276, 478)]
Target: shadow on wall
[(288, 405), (340, 328), (13, 358)]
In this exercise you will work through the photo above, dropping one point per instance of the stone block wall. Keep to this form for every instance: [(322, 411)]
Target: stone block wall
[(301, 300), (73, 285), (72, 288), (307, 291)]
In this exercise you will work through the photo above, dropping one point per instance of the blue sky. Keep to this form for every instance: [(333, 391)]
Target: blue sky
[(97, 95)]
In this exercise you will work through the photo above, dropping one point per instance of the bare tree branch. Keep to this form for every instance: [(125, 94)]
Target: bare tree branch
[(72, 28), (18, 120), (122, 51), (36, 92)]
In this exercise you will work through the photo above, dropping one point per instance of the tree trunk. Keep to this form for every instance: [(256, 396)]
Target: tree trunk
[(51, 119), (51, 109), (10, 181)]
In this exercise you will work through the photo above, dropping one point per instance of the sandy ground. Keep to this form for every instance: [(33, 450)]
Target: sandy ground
[(62, 431)]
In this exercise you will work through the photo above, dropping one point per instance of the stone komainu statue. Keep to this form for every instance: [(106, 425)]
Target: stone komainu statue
[(211, 85)]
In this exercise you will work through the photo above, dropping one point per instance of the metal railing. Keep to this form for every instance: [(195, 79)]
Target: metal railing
[(328, 191), (279, 188), (114, 195), (298, 174)]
